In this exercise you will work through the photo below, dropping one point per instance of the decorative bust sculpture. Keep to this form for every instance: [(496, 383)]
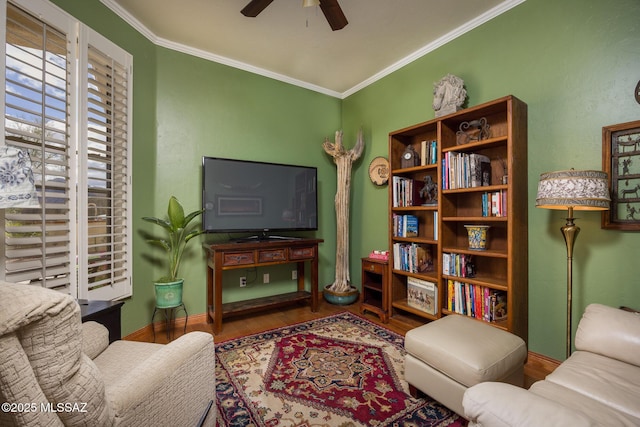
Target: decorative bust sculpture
[(448, 95)]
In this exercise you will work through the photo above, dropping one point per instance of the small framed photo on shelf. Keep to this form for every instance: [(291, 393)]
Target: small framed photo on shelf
[(621, 162)]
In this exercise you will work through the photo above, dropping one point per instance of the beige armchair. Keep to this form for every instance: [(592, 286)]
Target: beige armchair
[(55, 370)]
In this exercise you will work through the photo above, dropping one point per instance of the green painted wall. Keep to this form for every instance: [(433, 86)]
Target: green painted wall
[(204, 108), (575, 63), (186, 107)]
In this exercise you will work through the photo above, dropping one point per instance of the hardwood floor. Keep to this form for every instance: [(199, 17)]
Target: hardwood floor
[(537, 366)]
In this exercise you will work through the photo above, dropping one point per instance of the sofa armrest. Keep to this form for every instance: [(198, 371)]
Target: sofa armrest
[(95, 339), (172, 387), (610, 332), (492, 404)]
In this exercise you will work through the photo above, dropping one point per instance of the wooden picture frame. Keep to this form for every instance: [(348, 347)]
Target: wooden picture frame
[(621, 162)]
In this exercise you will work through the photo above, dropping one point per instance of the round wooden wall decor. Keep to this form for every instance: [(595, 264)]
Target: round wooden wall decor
[(379, 171), (637, 92)]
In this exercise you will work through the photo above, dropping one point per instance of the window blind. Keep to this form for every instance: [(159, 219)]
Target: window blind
[(104, 166), (38, 240), (68, 103)]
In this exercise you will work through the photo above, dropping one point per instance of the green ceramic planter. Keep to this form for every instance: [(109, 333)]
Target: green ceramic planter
[(340, 298), (169, 294)]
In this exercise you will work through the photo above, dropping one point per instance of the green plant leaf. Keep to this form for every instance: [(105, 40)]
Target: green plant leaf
[(176, 213), (192, 235), (191, 216), (161, 222), (160, 242)]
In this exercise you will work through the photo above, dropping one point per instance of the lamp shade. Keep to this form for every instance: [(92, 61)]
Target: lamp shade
[(577, 189), (310, 3)]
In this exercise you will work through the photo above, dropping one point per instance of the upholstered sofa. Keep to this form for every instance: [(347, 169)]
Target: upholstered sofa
[(598, 385), (55, 370)]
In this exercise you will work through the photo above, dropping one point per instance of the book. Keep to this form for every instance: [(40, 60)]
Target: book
[(498, 305), (478, 165), (435, 225), (424, 258), (485, 172), (423, 295), (410, 226)]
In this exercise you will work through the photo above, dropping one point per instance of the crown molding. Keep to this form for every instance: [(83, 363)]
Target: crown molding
[(468, 26), (243, 66)]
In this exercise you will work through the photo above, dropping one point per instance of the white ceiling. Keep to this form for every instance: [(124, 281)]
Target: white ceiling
[(296, 45)]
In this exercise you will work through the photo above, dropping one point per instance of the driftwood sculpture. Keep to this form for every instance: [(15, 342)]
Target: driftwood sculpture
[(344, 160)]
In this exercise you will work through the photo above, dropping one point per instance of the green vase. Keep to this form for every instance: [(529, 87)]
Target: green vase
[(169, 294)]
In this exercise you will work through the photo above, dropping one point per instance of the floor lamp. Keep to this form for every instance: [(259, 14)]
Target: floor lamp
[(572, 190)]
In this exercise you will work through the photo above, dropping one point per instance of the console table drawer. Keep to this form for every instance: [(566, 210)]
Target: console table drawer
[(302, 253), (238, 258), (272, 255)]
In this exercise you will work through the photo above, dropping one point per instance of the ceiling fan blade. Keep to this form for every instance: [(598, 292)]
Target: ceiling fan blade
[(333, 13), (254, 7)]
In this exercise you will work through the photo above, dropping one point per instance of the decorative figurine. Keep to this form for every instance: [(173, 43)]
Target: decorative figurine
[(448, 95), (430, 191), (475, 130)]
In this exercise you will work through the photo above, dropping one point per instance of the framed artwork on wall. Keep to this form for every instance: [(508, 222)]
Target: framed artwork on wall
[(621, 161)]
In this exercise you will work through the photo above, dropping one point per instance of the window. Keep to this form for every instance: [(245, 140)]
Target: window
[(68, 104)]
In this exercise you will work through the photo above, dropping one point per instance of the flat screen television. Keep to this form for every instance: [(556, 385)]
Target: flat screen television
[(258, 197)]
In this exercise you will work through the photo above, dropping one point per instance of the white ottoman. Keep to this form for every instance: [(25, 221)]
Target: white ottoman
[(449, 355)]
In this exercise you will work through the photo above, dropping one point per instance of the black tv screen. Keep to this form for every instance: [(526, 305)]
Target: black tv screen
[(249, 196)]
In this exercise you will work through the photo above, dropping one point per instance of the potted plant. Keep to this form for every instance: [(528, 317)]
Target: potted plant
[(179, 232)]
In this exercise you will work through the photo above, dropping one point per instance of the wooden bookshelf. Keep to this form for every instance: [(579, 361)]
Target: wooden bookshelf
[(503, 266)]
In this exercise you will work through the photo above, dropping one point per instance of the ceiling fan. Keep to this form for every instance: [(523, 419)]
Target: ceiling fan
[(330, 8)]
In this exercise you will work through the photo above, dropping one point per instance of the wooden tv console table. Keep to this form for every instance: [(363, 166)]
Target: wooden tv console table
[(229, 256)]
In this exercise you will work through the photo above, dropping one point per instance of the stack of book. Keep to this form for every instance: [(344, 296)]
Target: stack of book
[(412, 257), (460, 265), (494, 203), (406, 192), (429, 152), (405, 225), (465, 170), (476, 301)]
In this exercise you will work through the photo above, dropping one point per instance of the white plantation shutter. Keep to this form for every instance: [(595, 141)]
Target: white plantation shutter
[(37, 241), (71, 110), (104, 165)]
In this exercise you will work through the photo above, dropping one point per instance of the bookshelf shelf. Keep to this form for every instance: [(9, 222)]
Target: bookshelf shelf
[(471, 146), (416, 240), (415, 208), (487, 253), (480, 182), (489, 282), (488, 188), (475, 219), (428, 277), (404, 306)]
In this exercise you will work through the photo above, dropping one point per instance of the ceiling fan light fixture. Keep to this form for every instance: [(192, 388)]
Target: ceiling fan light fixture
[(310, 3)]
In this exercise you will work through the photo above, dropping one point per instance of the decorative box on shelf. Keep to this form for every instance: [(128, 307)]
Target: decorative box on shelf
[(384, 255), (423, 295)]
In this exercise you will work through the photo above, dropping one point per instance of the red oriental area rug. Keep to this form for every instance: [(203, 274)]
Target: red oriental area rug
[(341, 370)]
